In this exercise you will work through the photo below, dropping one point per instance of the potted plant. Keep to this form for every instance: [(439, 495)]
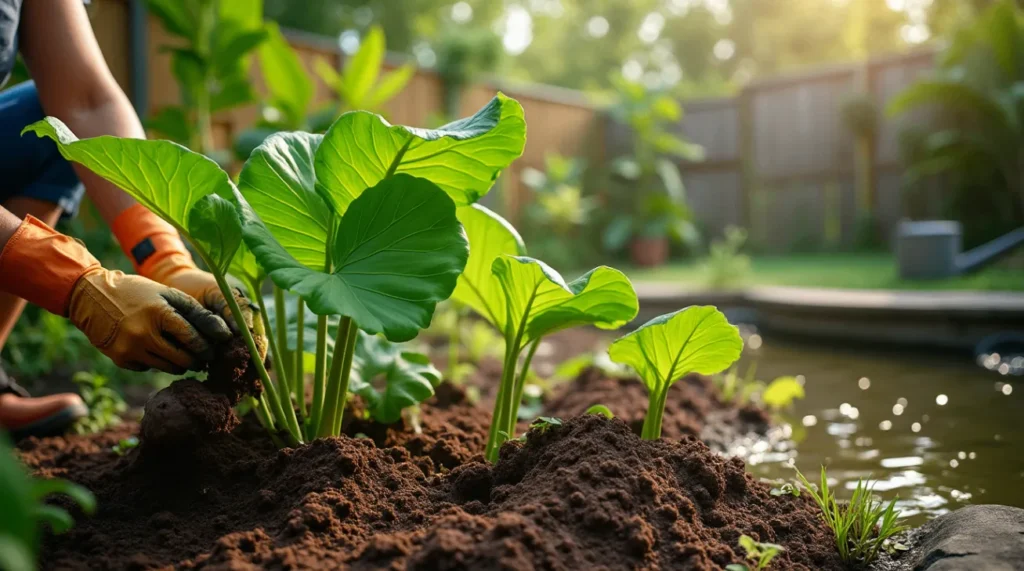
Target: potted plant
[(647, 196)]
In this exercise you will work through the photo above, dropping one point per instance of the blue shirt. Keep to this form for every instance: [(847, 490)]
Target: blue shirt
[(10, 16)]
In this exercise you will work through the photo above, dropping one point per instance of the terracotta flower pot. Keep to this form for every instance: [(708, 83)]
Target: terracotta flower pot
[(648, 251)]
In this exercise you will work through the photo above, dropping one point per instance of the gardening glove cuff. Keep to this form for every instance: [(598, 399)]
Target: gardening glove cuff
[(42, 265), (141, 324), (159, 254)]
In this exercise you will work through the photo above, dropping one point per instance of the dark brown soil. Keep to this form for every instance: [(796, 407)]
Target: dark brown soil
[(692, 409), (232, 374)]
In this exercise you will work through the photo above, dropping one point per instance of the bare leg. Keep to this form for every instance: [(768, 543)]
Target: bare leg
[(11, 306)]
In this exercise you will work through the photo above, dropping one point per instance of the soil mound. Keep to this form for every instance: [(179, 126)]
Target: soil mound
[(232, 373), (185, 412), (693, 407)]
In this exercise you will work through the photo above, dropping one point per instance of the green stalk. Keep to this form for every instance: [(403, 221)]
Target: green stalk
[(289, 422), (517, 397), (262, 412), (283, 387), (344, 343), (346, 376), (283, 357), (298, 357), (319, 377), (655, 412), (498, 422)]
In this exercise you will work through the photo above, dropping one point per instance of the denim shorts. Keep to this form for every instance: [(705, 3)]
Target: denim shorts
[(31, 166)]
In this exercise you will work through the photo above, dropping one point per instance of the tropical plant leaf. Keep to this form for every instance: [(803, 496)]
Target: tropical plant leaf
[(390, 86), (399, 250), (955, 95), (174, 15), (170, 122), (463, 158), (697, 339), (278, 182), (232, 46), (285, 77), (409, 378), (536, 295), (781, 392), (165, 177), (489, 236)]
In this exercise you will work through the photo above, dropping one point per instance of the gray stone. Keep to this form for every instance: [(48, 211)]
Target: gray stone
[(928, 249), (972, 538)]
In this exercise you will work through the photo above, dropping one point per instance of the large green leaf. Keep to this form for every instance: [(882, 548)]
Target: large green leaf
[(286, 79), (165, 177), (489, 236), (463, 158), (278, 183), (213, 222), (408, 377), (536, 293), (697, 339), (399, 250)]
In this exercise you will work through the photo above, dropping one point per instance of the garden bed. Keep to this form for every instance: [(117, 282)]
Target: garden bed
[(586, 494)]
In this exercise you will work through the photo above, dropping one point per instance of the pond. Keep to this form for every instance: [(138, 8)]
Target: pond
[(939, 430)]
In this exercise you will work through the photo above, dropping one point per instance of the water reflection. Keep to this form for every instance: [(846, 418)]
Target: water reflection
[(939, 432)]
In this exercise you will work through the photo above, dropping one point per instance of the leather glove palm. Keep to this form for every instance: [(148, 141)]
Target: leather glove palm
[(141, 324)]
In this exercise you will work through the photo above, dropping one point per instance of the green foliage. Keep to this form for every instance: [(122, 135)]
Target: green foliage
[(648, 196), (543, 423), (124, 445), (781, 392), (104, 403), (23, 510), (210, 62), (978, 87), (761, 554), (525, 300), (860, 115), (463, 53), (600, 409), (360, 84), (861, 526), (786, 489), (389, 378), (726, 266), (558, 211), (697, 339)]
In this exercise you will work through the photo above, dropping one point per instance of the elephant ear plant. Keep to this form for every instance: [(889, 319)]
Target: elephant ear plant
[(526, 299), (697, 339), (360, 223)]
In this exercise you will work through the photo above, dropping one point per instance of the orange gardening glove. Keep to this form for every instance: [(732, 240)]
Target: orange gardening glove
[(158, 253), (137, 322)]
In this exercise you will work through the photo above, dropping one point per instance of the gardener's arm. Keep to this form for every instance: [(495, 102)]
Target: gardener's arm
[(76, 86)]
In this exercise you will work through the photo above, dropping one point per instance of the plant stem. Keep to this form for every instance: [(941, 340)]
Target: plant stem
[(655, 411), (298, 357), (517, 398), (319, 377), (283, 357), (498, 422), (344, 342), (283, 388), (262, 412), (288, 422), (346, 376)]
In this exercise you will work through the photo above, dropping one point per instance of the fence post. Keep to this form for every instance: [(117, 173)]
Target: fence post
[(747, 159)]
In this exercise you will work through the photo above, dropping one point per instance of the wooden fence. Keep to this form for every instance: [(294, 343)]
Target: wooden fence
[(780, 160)]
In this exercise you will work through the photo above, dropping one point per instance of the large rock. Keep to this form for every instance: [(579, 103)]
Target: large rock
[(972, 538)]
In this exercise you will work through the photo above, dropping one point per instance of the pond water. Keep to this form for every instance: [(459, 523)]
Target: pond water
[(940, 431)]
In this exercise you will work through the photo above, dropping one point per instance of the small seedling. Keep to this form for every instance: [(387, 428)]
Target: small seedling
[(786, 489), (104, 403), (698, 339), (761, 554), (600, 409), (124, 445), (543, 423), (525, 300), (861, 526)]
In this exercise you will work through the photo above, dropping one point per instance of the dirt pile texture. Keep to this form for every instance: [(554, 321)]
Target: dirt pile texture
[(585, 495)]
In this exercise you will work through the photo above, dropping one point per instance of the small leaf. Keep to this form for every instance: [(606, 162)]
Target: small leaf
[(600, 409), (781, 392), (698, 339), (43, 488), (463, 158), (15, 555), (537, 295), (390, 86), (398, 251), (409, 378), (213, 222), (56, 518), (489, 236)]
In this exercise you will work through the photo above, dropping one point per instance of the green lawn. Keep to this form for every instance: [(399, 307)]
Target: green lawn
[(839, 270)]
